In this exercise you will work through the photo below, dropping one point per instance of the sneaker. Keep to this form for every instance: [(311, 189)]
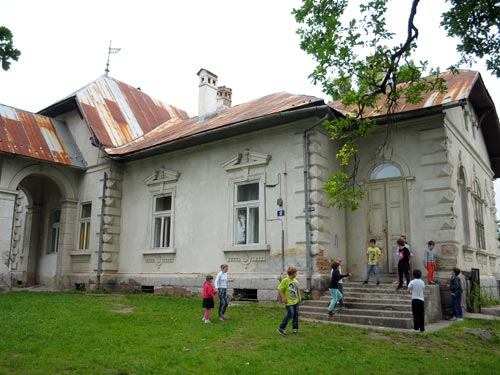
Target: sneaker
[(399, 287), (378, 283), (221, 319), (460, 320), (422, 330), (282, 332), (295, 331), (207, 321), (454, 318), (330, 312), (395, 282), (365, 282)]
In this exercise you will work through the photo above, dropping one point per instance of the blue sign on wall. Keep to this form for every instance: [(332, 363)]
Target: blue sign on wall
[(281, 212)]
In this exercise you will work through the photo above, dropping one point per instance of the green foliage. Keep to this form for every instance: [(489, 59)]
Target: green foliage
[(341, 193), (477, 25), (360, 63), (474, 300), (81, 334), (7, 50), (486, 301)]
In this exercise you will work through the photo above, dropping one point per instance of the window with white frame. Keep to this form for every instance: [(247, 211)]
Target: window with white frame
[(246, 213), (54, 235), (478, 216), (162, 221), (85, 215)]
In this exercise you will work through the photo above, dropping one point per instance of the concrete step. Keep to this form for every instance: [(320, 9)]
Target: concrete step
[(370, 305), (367, 320), (306, 309)]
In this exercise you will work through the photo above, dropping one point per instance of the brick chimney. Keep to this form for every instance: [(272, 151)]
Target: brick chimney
[(207, 100), (224, 97)]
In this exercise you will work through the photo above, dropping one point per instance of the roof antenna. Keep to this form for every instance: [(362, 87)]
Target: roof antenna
[(110, 51)]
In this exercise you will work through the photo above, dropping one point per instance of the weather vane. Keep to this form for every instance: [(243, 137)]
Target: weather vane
[(110, 51)]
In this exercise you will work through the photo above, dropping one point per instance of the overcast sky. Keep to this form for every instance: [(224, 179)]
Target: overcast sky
[(250, 45)]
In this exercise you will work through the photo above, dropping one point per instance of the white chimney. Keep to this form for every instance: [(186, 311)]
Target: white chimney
[(207, 100), (224, 97)]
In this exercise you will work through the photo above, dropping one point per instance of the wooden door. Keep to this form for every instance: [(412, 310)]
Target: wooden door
[(387, 219)]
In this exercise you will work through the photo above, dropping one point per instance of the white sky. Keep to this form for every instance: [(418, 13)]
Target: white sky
[(250, 45)]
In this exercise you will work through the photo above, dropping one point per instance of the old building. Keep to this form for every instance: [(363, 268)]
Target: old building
[(111, 186)]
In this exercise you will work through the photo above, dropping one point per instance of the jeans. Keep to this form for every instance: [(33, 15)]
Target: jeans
[(336, 296), (369, 270), (292, 312), (223, 301), (456, 305)]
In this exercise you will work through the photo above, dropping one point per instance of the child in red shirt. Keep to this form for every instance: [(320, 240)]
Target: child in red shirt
[(208, 297)]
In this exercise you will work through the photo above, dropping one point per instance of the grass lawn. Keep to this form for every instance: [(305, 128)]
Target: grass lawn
[(73, 333)]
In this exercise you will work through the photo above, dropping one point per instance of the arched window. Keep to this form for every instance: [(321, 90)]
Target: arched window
[(478, 216), (462, 188), (385, 170)]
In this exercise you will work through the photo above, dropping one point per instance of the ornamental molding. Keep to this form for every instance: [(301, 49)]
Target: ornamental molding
[(246, 159)]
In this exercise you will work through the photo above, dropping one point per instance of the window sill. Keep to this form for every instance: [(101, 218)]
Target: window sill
[(159, 251), (80, 253), (252, 247)]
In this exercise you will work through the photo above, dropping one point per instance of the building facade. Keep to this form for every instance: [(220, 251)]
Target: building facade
[(112, 187)]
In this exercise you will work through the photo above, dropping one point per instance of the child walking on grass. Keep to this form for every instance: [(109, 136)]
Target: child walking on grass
[(208, 297), (289, 293)]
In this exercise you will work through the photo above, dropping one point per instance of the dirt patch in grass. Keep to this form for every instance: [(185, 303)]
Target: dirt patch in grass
[(125, 310)]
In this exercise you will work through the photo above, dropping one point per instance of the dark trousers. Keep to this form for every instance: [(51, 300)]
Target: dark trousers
[(403, 269), (341, 289), (417, 308)]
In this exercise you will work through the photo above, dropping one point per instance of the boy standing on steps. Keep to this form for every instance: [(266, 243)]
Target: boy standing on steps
[(429, 262), (373, 255), (416, 288)]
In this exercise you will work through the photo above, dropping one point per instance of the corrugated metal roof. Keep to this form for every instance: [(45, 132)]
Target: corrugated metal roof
[(119, 113), (177, 128), (39, 137), (458, 86)]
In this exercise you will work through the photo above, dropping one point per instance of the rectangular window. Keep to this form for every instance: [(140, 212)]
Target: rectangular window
[(85, 214), (247, 214), (162, 220), (54, 236)]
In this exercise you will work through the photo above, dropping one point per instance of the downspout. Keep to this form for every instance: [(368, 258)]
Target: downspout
[(101, 230), (306, 199)]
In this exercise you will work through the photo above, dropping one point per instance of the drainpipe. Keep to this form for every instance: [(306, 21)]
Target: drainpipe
[(101, 230), (306, 200)]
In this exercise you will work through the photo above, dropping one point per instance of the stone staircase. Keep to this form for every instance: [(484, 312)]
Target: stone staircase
[(370, 305)]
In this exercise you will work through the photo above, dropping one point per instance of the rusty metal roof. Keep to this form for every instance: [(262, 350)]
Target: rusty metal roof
[(118, 113), (177, 129), (466, 85), (458, 86), (39, 137)]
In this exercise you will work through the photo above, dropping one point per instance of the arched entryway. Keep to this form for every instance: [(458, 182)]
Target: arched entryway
[(387, 199), (43, 220)]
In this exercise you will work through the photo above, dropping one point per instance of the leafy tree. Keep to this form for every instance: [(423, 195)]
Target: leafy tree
[(476, 23), (7, 50), (359, 62)]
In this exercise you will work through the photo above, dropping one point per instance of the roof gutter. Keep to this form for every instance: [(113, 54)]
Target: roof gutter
[(227, 131), (421, 112)]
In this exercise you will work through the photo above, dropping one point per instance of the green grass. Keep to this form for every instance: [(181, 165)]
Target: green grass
[(73, 333)]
